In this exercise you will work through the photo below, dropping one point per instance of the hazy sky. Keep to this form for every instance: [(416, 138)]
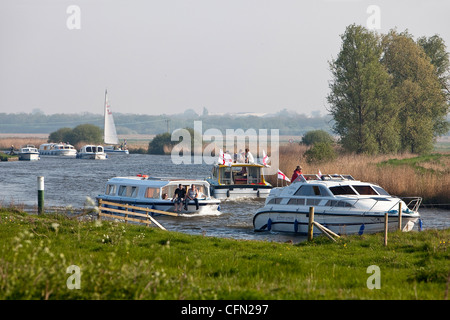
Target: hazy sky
[(167, 56)]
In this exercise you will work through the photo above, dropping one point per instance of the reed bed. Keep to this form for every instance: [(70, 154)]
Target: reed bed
[(428, 179), (6, 143)]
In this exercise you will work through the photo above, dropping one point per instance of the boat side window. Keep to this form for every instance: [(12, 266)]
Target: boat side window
[(225, 175), (111, 189), (312, 202), (133, 191), (336, 203), (381, 191), (152, 193), (365, 190), (274, 201), (297, 202), (100, 149), (253, 175), (308, 191), (88, 149), (338, 190), (122, 191)]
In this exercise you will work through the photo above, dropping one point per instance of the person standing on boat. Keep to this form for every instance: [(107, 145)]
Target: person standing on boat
[(192, 194), (178, 197), (249, 157), (297, 172)]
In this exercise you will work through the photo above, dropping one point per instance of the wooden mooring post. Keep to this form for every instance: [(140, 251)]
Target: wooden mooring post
[(400, 216), (386, 221), (311, 223)]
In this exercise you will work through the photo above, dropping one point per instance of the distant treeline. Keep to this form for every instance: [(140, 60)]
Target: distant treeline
[(288, 122)]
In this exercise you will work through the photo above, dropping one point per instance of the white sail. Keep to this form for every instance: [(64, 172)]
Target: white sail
[(110, 134)]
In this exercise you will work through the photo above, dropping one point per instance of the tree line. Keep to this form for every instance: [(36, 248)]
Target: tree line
[(389, 93), (288, 122)]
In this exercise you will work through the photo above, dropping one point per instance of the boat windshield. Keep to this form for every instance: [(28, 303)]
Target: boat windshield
[(307, 190), (340, 190), (365, 190), (381, 191), (239, 175)]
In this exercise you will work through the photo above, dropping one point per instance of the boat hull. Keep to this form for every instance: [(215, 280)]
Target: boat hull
[(236, 192), (28, 156), (92, 156), (60, 153), (345, 223), (117, 151)]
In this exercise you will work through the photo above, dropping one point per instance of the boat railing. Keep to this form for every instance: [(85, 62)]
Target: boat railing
[(328, 177), (414, 202)]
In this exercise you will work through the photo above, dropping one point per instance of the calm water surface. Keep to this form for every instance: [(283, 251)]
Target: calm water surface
[(69, 181)]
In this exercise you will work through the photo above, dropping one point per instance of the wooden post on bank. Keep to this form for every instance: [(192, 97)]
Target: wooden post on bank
[(311, 224), (400, 216), (385, 228), (40, 187)]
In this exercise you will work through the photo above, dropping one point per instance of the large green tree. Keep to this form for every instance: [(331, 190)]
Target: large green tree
[(361, 100), (419, 92)]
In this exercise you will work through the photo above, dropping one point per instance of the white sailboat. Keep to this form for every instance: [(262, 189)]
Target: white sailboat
[(110, 134)]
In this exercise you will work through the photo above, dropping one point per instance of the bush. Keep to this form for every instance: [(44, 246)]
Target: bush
[(315, 136), (320, 152), (156, 146)]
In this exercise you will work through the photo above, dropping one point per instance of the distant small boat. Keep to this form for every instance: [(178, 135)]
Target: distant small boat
[(92, 152), (29, 153), (110, 133), (57, 149)]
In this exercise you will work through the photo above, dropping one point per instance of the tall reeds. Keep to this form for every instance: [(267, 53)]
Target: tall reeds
[(403, 180)]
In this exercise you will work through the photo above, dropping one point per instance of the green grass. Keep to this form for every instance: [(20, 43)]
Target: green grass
[(419, 163), (120, 261), (5, 157)]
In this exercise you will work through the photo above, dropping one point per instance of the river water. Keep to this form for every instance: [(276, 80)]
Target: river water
[(69, 181)]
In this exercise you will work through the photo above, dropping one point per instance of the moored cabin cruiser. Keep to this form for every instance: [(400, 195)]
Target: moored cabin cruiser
[(239, 180), (57, 149), (341, 204), (116, 150), (92, 152), (157, 193), (29, 153)]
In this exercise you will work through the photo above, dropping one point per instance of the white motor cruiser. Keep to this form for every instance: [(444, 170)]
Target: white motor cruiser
[(157, 193), (341, 204)]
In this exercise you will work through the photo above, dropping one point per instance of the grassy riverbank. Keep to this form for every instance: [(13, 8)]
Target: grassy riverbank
[(119, 261)]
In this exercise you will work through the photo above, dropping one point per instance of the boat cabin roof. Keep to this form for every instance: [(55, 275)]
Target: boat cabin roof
[(337, 186), (153, 181), (237, 164)]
